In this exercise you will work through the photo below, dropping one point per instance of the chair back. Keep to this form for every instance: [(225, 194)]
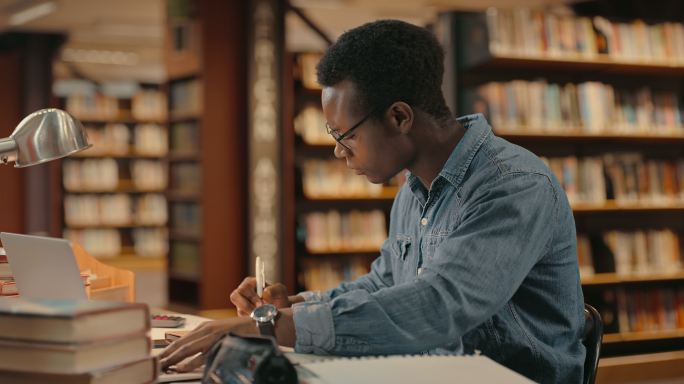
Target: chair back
[(592, 337)]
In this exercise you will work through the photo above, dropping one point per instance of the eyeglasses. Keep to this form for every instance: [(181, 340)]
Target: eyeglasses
[(341, 136)]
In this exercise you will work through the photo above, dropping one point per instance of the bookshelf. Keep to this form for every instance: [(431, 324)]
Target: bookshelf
[(113, 200), (205, 49), (601, 102), (341, 219)]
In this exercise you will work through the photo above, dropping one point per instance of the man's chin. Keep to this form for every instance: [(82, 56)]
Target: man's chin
[(375, 179)]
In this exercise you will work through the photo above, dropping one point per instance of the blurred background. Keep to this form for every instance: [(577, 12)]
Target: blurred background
[(210, 147)]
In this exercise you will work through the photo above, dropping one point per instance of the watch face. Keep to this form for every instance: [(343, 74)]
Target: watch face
[(264, 313)]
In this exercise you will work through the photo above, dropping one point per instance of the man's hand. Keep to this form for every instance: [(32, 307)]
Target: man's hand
[(200, 340), (245, 298)]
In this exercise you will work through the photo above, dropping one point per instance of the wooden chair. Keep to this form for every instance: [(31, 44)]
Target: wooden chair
[(111, 283), (593, 336)]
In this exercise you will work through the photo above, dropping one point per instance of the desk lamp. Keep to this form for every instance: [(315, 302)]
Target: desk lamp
[(44, 135)]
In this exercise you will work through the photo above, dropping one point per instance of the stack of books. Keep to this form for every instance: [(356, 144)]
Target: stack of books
[(7, 285), (75, 341)]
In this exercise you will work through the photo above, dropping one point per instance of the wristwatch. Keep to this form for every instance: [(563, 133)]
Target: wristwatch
[(265, 317)]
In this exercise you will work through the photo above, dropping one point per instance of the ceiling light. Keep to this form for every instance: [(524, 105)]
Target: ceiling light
[(32, 13), (99, 56)]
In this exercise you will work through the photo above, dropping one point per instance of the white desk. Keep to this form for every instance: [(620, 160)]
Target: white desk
[(191, 322)]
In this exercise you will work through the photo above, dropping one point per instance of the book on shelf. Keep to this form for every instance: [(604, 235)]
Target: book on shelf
[(639, 310), (150, 140), (320, 275), (70, 321), (186, 217), (625, 178), (344, 232), (186, 98), (309, 124), (184, 259), (527, 33), (149, 175), (143, 371), (90, 175), (591, 108), (306, 64), (630, 253), (332, 179), (149, 105), (184, 138), (100, 243), (186, 178), (92, 106), (8, 288)]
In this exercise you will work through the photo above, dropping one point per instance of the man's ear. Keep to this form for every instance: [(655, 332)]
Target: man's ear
[(401, 116)]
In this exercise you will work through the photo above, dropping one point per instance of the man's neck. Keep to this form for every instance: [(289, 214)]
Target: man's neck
[(434, 150)]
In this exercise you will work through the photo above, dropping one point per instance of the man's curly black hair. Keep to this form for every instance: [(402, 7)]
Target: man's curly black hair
[(388, 61)]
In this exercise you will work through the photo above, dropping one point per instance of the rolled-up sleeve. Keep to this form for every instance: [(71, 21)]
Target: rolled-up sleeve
[(506, 228)]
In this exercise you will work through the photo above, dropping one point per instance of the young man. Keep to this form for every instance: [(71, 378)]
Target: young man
[(481, 253)]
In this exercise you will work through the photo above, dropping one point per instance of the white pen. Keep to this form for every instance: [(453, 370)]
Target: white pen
[(259, 271)]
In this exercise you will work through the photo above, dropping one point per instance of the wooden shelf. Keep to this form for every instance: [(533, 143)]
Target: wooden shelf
[(577, 63), (185, 116), (183, 196), (642, 336), (185, 236), (124, 120), (136, 262), (184, 277), (117, 190), (184, 157), (344, 251), (388, 193), (130, 155), (524, 134), (614, 278), (115, 226), (611, 206)]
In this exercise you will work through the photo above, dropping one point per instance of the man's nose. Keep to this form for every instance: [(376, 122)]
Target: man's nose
[(339, 150)]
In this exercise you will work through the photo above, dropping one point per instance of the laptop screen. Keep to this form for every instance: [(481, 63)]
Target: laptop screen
[(43, 267)]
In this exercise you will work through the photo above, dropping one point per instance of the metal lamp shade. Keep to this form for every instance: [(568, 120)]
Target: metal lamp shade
[(46, 135)]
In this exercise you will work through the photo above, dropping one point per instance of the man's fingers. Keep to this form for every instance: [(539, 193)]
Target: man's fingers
[(190, 364), (241, 302), (188, 349), (248, 290), (198, 333), (242, 313)]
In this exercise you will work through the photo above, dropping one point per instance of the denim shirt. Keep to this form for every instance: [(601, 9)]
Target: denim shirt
[(485, 260)]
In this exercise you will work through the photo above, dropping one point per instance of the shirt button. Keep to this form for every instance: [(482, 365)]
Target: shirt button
[(423, 221)]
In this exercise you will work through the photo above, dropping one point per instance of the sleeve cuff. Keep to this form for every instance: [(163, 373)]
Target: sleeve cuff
[(314, 327), (315, 296)]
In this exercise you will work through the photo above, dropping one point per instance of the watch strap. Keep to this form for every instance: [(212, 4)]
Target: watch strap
[(266, 328)]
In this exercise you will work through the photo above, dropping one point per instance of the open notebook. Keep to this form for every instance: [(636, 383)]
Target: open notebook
[(408, 369)]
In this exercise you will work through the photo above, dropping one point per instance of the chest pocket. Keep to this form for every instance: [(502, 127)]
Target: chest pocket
[(400, 247), (429, 246), (402, 258)]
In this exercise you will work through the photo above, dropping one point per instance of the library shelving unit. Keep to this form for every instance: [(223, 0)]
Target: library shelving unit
[(113, 192), (205, 51), (340, 218), (602, 102)]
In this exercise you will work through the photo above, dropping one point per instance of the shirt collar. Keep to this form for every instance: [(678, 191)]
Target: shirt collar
[(477, 129)]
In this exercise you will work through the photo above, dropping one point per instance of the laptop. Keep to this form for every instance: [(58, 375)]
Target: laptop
[(43, 267)]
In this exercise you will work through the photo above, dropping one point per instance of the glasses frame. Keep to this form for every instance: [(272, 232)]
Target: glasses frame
[(340, 137)]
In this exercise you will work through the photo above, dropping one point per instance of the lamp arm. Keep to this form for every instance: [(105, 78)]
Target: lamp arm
[(8, 150)]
